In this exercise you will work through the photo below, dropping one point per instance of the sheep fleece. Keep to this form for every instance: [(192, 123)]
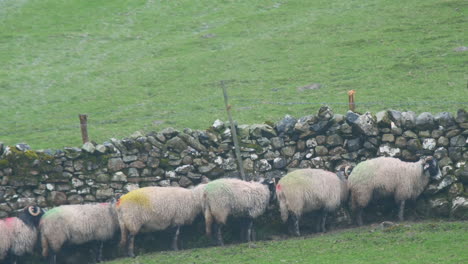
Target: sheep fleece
[(77, 224), (405, 180), (16, 236), (235, 197), (157, 208), (306, 190)]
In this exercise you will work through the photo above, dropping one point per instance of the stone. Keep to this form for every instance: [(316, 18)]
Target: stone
[(184, 169), (400, 142), (365, 124), (185, 182), (264, 130), (102, 194), (206, 169), (459, 208), (57, 198), (458, 141), (437, 133), (383, 119), (137, 164), (321, 151), (279, 163), (193, 142), (395, 116), (439, 207), (443, 141), (115, 164), (388, 138), (22, 147), (72, 153), (424, 134), (313, 86), (414, 144), (444, 119), (429, 144), (119, 177), (425, 121), (462, 116), (177, 144), (77, 183), (321, 126), (408, 119), (455, 190), (131, 187), (453, 133), (455, 153), (388, 151), (288, 151), (277, 142), (263, 165), (218, 125), (462, 174), (129, 158), (353, 144), (446, 182), (325, 113), (286, 125), (334, 140), (303, 124), (88, 147), (75, 199), (194, 176)]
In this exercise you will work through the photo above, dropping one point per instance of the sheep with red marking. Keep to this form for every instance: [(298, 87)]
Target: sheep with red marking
[(18, 235)]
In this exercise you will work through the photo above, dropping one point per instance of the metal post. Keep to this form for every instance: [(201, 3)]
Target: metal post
[(233, 132)]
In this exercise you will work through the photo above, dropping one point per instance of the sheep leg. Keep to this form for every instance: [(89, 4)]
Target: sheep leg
[(323, 221), (175, 239), (249, 229), (131, 245), (99, 252), (359, 216), (219, 235), (401, 211), (52, 257), (295, 223)]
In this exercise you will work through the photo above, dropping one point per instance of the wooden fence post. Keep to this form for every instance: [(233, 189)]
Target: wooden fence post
[(351, 100), (84, 127), (233, 132)]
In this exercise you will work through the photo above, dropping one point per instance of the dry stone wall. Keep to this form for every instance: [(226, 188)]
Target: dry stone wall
[(95, 172)]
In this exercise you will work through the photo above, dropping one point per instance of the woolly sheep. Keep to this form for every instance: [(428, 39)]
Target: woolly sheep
[(385, 176), (157, 208), (307, 190), (18, 235), (225, 197), (77, 224)]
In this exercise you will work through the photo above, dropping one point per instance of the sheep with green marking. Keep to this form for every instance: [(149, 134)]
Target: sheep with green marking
[(18, 235), (385, 176), (307, 190), (157, 208), (233, 197), (77, 224)]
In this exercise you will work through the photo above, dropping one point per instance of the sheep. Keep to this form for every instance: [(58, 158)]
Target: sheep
[(18, 235), (157, 208), (228, 196), (385, 176), (77, 224), (307, 190)]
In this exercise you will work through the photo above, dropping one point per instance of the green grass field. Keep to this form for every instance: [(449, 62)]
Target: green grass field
[(426, 242), (149, 64)]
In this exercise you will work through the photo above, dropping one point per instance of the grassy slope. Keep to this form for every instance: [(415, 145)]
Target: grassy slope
[(136, 64), (428, 242)]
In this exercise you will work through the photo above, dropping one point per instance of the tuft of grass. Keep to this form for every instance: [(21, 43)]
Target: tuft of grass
[(145, 65), (426, 242)]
